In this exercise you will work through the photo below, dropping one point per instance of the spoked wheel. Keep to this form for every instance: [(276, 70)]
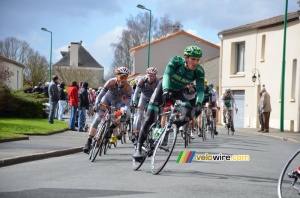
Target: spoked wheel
[(163, 149), (212, 132), (124, 136), (186, 136), (106, 145), (145, 150), (289, 183), (203, 129), (96, 146), (95, 149)]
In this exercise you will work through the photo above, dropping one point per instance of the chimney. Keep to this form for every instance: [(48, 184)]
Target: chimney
[(175, 28), (74, 54)]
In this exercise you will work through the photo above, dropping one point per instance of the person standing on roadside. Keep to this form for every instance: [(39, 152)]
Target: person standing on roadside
[(53, 97), (73, 101), (265, 106), (61, 102), (83, 105)]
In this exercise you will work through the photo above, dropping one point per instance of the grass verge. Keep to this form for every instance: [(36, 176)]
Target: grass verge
[(20, 127)]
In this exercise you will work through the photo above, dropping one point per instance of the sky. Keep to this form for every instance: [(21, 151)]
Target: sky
[(98, 23)]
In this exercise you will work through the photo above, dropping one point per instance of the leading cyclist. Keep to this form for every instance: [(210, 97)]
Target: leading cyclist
[(178, 74), (112, 94)]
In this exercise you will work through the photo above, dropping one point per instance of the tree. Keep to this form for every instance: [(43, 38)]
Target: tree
[(5, 73), (136, 34), (36, 69), (35, 65), (15, 49)]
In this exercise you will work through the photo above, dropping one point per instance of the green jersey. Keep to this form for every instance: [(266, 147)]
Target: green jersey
[(177, 77)]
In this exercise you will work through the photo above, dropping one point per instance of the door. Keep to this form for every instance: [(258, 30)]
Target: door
[(239, 96)]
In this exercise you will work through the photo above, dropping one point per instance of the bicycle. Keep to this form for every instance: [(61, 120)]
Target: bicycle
[(229, 121), (162, 147), (210, 125), (186, 134), (100, 142), (288, 184), (202, 130), (123, 128)]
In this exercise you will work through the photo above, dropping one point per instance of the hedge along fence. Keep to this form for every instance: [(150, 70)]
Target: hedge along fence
[(18, 104)]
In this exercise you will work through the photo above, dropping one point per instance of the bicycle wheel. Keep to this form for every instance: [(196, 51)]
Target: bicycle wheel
[(186, 135), (203, 126), (212, 132), (145, 150), (124, 136), (105, 146), (288, 184), (163, 149), (96, 146)]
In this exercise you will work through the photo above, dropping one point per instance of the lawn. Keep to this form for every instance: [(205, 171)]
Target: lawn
[(19, 127)]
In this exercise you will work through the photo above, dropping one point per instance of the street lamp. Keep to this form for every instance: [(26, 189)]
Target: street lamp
[(50, 65), (254, 76), (144, 8)]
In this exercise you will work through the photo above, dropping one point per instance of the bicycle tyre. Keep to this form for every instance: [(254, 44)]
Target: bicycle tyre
[(186, 136), (97, 142), (212, 132), (137, 164), (203, 128), (286, 183), (160, 158)]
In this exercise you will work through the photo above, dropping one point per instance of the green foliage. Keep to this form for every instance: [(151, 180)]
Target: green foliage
[(18, 104)]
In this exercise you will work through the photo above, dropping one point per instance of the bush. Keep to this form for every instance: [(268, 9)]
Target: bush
[(18, 104)]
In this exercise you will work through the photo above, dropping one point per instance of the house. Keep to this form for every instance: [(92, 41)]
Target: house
[(256, 50), (16, 80), (162, 49), (78, 58)]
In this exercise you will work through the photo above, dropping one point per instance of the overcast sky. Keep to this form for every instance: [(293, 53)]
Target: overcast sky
[(97, 23)]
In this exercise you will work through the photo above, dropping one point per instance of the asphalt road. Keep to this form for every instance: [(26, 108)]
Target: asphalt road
[(111, 175)]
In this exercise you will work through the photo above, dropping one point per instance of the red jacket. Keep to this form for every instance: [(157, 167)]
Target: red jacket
[(73, 96)]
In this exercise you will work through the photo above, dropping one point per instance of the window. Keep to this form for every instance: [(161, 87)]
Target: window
[(239, 57), (294, 75), (263, 45)]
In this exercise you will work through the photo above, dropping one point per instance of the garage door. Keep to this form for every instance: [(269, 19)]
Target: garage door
[(239, 96)]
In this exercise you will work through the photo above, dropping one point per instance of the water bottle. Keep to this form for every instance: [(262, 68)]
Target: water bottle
[(156, 132)]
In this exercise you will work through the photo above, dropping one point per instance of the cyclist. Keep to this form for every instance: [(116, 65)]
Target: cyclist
[(217, 102), (207, 103), (178, 74), (228, 102), (146, 85), (190, 93), (213, 104), (112, 94)]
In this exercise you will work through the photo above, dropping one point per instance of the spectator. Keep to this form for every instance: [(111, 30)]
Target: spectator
[(53, 97), (39, 89), (83, 105), (61, 102), (265, 107), (46, 90), (73, 102), (28, 89)]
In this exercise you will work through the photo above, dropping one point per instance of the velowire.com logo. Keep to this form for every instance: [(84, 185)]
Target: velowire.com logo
[(187, 157)]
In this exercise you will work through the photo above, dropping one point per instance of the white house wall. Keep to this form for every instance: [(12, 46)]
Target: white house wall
[(161, 52), (270, 70), (16, 82)]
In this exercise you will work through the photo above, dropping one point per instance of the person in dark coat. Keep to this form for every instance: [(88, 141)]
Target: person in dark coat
[(53, 97), (83, 105)]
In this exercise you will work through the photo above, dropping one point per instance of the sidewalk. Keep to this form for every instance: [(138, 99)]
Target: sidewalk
[(42, 146), (69, 142)]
